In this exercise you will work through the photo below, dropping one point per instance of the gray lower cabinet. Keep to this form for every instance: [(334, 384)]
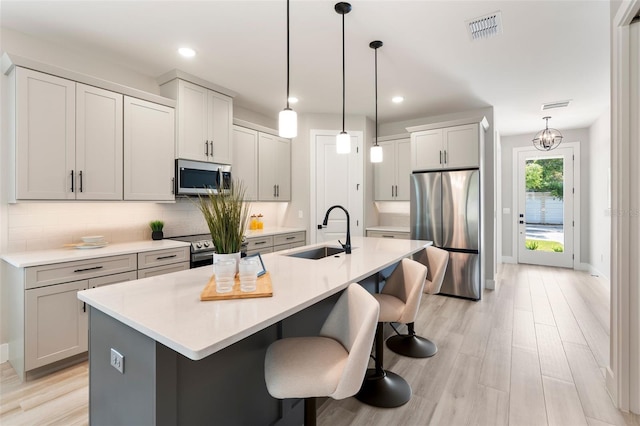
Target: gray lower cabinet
[(49, 324), (277, 242), (388, 234)]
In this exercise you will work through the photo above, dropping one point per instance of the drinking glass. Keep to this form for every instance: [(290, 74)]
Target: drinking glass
[(225, 272), (248, 271)]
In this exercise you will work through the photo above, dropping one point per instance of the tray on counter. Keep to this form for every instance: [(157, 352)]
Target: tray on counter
[(263, 289)]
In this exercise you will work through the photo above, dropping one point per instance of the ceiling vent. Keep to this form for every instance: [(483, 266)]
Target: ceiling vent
[(485, 26), (558, 104)]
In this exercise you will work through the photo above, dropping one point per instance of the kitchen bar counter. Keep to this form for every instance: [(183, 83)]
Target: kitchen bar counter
[(190, 362), (168, 309)]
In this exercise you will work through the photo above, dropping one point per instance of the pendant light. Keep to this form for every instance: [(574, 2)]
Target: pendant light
[(376, 150), (343, 140), (547, 139), (288, 119)]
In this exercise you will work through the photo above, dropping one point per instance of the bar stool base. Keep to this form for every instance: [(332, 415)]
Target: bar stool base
[(386, 391), (412, 346)]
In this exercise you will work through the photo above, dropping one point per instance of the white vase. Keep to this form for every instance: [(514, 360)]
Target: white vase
[(235, 256)]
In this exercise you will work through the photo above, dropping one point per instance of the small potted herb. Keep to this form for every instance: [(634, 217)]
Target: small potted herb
[(156, 229)]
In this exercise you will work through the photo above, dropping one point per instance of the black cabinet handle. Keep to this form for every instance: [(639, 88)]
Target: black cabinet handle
[(166, 257), (290, 238), (88, 269), (80, 180), (445, 157), (440, 157), (71, 180)]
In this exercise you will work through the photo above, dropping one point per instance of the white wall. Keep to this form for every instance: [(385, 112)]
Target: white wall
[(508, 143), (600, 195)]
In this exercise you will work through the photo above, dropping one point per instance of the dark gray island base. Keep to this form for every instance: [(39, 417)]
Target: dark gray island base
[(163, 387)]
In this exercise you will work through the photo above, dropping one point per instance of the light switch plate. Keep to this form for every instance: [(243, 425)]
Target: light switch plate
[(117, 360)]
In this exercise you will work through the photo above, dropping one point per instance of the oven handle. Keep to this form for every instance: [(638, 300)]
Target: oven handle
[(196, 257)]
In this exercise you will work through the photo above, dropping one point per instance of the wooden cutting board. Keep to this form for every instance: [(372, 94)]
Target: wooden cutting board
[(263, 289)]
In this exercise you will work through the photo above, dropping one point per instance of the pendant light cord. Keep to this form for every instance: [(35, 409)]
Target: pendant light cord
[(343, 75), (376, 81), (287, 54)]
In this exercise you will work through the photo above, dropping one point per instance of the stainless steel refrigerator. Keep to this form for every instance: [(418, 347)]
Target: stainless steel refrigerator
[(445, 208)]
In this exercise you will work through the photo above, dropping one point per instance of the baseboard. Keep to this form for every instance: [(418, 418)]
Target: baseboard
[(490, 284), (508, 259), (4, 352), (594, 271), (582, 266)]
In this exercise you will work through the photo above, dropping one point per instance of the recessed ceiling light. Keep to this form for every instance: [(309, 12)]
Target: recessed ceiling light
[(187, 52), (293, 100), (397, 99)]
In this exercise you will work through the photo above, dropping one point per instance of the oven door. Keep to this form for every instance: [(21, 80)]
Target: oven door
[(201, 259), (198, 177)]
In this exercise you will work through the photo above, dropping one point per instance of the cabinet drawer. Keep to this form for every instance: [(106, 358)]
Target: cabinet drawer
[(150, 259), (386, 234), (113, 279), (161, 270), (294, 237), (40, 276), (257, 243), (260, 250)]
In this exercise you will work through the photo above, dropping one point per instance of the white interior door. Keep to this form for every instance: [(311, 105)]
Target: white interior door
[(336, 179), (545, 213)]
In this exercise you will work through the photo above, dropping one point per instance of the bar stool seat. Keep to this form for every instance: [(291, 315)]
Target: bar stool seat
[(410, 344), (330, 365), (399, 301)]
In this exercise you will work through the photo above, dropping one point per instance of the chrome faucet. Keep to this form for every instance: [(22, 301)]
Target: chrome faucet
[(347, 246)]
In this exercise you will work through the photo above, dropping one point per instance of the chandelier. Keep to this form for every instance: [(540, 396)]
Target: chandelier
[(547, 139)]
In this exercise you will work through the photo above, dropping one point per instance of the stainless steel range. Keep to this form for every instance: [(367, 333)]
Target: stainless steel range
[(202, 249)]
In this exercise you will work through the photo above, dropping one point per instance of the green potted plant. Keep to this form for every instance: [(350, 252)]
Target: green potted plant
[(156, 229), (226, 215)]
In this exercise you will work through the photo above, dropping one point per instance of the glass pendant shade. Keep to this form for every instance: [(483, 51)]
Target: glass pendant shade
[(376, 154), (547, 139), (288, 123), (343, 143)]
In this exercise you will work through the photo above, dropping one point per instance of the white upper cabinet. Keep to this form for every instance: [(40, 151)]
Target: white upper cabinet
[(148, 151), (98, 144), (392, 174), (446, 148), (204, 122), (274, 168), (44, 136), (245, 160)]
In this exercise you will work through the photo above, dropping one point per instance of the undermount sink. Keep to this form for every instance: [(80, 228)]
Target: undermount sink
[(318, 253)]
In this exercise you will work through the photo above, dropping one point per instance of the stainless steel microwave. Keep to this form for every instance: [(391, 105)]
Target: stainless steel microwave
[(200, 177)]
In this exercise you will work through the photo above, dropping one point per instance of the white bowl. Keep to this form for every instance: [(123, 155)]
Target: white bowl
[(92, 239)]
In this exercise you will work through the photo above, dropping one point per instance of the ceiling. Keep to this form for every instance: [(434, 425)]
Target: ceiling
[(548, 51)]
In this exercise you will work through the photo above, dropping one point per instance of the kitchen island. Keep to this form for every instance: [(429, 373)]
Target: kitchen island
[(193, 362)]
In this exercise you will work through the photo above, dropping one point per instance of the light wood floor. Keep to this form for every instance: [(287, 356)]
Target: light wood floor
[(532, 352)]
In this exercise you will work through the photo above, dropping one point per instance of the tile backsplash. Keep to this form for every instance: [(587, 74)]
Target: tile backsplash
[(41, 226)]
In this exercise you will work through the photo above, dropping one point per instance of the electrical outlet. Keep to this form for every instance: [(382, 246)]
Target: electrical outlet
[(300, 214), (117, 360)]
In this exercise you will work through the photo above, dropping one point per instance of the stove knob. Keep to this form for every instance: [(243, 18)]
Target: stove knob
[(199, 245), (206, 243)]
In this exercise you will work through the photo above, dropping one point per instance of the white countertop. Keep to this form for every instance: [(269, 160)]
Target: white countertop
[(271, 231), (167, 308), (47, 257), (389, 228)]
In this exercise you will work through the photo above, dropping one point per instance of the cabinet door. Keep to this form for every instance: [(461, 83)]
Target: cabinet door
[(55, 324), (45, 136), (426, 150), (267, 167), (283, 164), (98, 144), (193, 141), (462, 146), (161, 270), (385, 173), (148, 151), (220, 116), (245, 160), (403, 169)]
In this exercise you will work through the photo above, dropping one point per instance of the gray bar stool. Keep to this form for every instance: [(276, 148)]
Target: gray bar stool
[(332, 364), (399, 301), (410, 344)]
